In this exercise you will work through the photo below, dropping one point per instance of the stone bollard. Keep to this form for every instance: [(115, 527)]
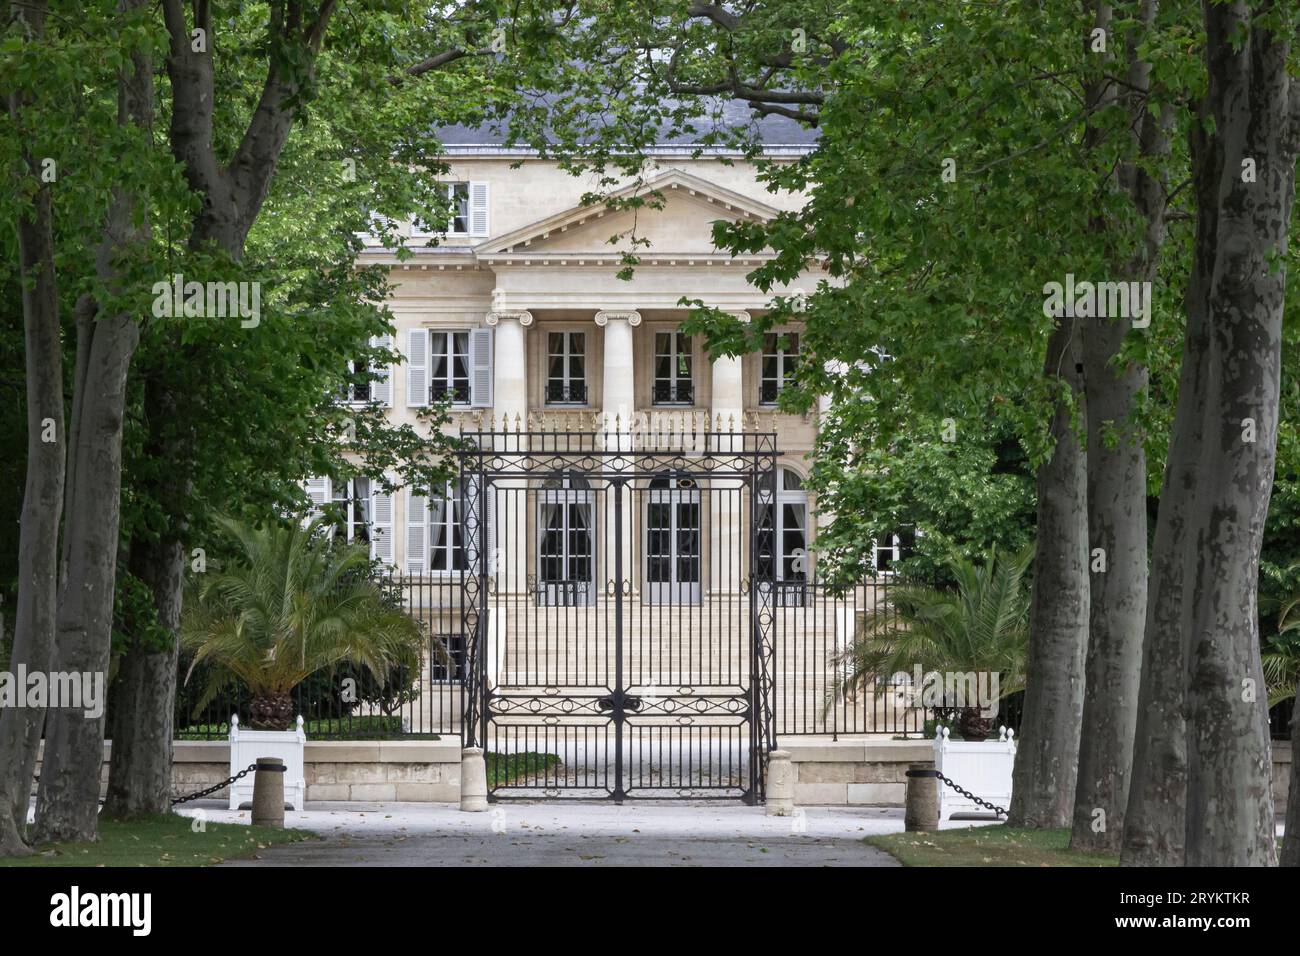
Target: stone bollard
[(473, 780), (922, 811), (268, 793), (780, 784)]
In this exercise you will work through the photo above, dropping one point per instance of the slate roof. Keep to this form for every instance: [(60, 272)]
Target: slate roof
[(733, 114)]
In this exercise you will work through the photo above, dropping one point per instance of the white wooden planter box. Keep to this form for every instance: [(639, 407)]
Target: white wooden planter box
[(287, 745), (981, 766)]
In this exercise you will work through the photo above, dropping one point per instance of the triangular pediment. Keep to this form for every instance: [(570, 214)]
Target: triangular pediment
[(683, 225)]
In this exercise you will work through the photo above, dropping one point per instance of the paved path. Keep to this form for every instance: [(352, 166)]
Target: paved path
[(575, 834)]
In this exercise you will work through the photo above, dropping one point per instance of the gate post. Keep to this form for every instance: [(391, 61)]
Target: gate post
[(780, 784), (473, 780)]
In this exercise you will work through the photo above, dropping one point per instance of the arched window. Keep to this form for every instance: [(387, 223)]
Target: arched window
[(565, 541), (672, 541), (783, 528)]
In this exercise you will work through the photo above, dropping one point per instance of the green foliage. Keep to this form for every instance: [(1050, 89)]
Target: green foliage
[(979, 625), (505, 770), (966, 498), (288, 607), (135, 617)]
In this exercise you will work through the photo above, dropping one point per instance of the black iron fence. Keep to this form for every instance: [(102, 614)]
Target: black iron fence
[(813, 692)]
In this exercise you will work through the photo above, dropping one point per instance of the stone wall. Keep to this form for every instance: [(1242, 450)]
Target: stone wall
[(845, 772), (363, 771), (867, 771)]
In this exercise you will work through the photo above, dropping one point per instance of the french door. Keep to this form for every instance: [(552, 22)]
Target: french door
[(672, 542), (565, 558)]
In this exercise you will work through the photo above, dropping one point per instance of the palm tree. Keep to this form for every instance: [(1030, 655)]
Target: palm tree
[(292, 603), (1282, 661), (981, 625)]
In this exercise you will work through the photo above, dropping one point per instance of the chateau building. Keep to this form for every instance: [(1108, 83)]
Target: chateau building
[(623, 579)]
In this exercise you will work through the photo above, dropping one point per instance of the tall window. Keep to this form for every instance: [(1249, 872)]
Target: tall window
[(780, 359), (783, 524), (672, 541), (353, 497), (458, 223), (565, 558), (355, 391), (673, 385), (449, 375), (566, 368), (446, 530)]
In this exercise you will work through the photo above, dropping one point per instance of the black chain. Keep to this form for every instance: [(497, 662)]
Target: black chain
[(225, 783), (1000, 811)]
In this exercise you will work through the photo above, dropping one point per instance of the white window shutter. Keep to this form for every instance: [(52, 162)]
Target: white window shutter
[(480, 368), (478, 209), (381, 525), (417, 551), (417, 368), (318, 490), (381, 389)]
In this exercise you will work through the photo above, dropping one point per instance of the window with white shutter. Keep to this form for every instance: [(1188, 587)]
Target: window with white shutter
[(480, 362), (417, 368), (416, 532), (478, 209), (449, 366), (460, 198), (436, 533), (381, 524), (318, 491), (381, 389)]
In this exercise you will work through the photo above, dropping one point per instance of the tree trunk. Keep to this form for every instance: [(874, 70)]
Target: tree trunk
[(1154, 821), (140, 775), (1117, 525), (1230, 814), (67, 805), (38, 543), (232, 198), (1047, 754)]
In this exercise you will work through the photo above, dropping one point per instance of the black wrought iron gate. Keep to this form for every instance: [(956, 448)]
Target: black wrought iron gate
[(617, 603)]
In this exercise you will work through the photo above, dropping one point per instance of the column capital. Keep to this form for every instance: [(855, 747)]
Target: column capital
[(524, 317), (633, 317), (740, 314)]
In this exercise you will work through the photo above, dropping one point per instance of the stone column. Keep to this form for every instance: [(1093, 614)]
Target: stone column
[(510, 365), (618, 403), (510, 562), (728, 520)]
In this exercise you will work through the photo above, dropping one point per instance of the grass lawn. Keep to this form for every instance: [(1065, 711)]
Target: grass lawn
[(165, 840), (998, 845), (505, 769)]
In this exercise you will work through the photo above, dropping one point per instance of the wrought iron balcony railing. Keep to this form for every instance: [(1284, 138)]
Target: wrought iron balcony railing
[(458, 393), (674, 393), (558, 393)]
